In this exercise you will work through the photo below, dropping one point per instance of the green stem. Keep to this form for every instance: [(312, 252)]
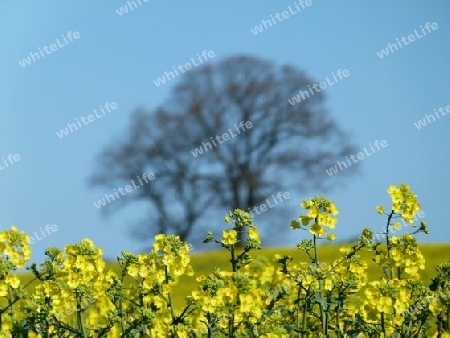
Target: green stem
[(47, 327), (338, 319), (79, 318), (170, 302), (316, 253), (388, 245), (231, 321), (122, 277), (209, 325), (298, 309), (305, 307), (233, 259), (11, 297), (323, 317), (172, 310), (448, 318)]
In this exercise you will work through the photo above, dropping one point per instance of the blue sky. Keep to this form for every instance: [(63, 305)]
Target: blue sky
[(116, 58)]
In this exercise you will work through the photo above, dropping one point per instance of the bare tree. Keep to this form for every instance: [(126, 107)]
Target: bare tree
[(286, 147)]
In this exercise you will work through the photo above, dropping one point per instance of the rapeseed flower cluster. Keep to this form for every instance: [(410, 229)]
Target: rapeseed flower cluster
[(77, 296), (320, 213)]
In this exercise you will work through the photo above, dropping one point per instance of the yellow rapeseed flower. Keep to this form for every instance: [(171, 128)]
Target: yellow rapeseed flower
[(331, 237), (313, 211), (253, 233), (332, 209), (396, 225), (229, 237), (317, 230)]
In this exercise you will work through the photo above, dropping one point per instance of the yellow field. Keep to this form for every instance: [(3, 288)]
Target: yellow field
[(204, 263)]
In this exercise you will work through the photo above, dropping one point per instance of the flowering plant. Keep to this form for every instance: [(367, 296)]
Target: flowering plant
[(256, 297)]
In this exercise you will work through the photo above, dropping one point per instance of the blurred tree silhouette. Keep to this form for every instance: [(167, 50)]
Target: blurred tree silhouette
[(287, 147)]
